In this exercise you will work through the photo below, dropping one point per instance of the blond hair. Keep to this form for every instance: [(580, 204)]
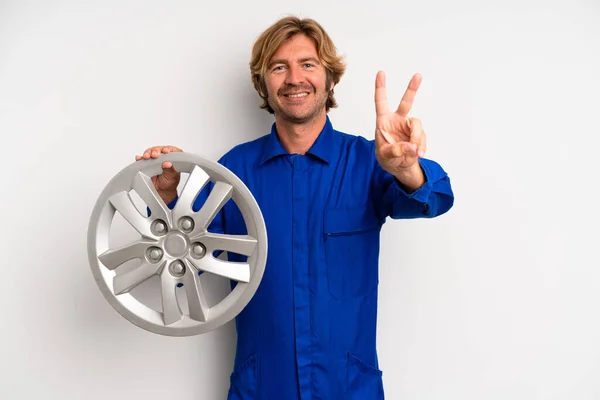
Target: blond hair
[(269, 41)]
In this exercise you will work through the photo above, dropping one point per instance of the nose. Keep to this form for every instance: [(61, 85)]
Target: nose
[(294, 75)]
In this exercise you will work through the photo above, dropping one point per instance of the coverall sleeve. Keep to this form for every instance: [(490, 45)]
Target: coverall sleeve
[(432, 199)]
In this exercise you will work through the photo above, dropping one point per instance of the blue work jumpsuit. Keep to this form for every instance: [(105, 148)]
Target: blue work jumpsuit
[(310, 330)]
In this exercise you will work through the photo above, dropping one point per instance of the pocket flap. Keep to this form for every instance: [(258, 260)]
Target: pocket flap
[(349, 220), (364, 381), (243, 381)]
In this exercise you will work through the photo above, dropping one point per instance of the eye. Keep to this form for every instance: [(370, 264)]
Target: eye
[(308, 65), (278, 68)]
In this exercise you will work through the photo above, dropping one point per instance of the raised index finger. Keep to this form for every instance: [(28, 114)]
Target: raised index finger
[(409, 96), (381, 103)]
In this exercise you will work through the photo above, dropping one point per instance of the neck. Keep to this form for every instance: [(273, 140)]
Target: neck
[(297, 138)]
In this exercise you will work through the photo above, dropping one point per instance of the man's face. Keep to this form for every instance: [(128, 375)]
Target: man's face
[(296, 81)]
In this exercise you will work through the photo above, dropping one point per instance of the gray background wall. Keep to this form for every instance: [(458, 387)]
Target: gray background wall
[(496, 300)]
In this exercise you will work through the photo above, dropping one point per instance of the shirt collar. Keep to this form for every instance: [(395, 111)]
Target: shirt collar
[(321, 148)]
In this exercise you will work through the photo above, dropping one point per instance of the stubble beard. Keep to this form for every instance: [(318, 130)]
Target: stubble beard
[(315, 108)]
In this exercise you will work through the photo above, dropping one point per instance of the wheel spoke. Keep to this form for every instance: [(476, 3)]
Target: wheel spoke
[(123, 204), (195, 295), (144, 187), (171, 310), (239, 272), (240, 244), (219, 195), (194, 184), (123, 283), (113, 258)]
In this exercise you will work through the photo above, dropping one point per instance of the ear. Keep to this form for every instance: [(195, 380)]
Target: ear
[(261, 86), (329, 80)]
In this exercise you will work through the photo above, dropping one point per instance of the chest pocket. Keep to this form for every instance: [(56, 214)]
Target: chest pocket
[(351, 251)]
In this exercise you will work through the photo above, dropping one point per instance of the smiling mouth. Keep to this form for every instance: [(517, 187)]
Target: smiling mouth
[(296, 95)]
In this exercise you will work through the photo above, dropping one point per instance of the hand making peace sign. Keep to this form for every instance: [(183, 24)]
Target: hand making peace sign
[(400, 140)]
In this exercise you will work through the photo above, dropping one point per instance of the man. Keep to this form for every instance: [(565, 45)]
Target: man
[(310, 330)]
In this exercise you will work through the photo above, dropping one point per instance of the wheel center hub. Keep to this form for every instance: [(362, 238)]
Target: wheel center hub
[(176, 244)]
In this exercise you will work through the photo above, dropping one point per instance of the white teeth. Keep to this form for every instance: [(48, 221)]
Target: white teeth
[(298, 95)]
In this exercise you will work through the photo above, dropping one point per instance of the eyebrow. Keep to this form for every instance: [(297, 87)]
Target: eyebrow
[(302, 60)]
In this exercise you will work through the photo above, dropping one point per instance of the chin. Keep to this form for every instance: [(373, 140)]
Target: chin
[(298, 118)]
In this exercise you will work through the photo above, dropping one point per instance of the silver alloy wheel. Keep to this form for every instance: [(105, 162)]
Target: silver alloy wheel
[(176, 245)]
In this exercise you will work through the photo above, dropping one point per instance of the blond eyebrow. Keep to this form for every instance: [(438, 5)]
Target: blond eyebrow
[(273, 62), (314, 60), (284, 62)]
